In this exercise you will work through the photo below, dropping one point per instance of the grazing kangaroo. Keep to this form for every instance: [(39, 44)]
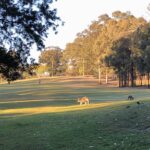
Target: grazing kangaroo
[(83, 100), (130, 97)]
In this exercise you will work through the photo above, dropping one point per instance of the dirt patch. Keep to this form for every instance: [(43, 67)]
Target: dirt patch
[(76, 82)]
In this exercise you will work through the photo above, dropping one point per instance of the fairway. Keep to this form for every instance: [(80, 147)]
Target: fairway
[(47, 116)]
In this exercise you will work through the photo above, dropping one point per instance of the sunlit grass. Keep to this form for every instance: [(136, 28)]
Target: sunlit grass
[(49, 109)]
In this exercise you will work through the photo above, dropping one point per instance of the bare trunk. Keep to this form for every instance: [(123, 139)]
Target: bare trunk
[(128, 79), (106, 76), (1, 79), (141, 77), (148, 78), (120, 80), (83, 67), (52, 68), (99, 74), (132, 76)]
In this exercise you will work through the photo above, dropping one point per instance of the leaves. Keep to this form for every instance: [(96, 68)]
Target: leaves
[(24, 23), (52, 58)]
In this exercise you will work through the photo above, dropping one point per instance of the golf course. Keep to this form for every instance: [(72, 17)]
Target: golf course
[(47, 116)]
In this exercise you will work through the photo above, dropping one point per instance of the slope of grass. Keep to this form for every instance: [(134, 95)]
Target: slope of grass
[(47, 117)]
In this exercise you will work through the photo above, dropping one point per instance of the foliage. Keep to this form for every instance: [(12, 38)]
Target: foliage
[(30, 71), (80, 52), (10, 66), (121, 59), (24, 23), (41, 69), (52, 58), (92, 47), (137, 57)]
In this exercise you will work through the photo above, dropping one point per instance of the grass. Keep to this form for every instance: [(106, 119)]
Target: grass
[(48, 117)]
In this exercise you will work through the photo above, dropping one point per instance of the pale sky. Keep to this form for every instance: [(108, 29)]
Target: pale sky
[(78, 14)]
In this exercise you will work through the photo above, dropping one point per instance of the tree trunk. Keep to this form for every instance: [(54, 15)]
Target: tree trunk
[(132, 76), (141, 81), (83, 68), (1, 79), (106, 75), (128, 78), (122, 83), (120, 80), (148, 78), (125, 79), (52, 68), (99, 74)]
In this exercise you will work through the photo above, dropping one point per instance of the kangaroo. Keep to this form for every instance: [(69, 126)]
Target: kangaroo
[(130, 97), (83, 100)]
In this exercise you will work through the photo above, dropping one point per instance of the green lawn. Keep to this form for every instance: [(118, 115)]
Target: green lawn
[(48, 117)]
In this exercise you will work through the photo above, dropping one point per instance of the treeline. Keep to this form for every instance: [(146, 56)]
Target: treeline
[(120, 42)]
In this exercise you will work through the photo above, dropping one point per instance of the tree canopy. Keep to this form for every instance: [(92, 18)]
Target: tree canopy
[(95, 43), (24, 23), (51, 57)]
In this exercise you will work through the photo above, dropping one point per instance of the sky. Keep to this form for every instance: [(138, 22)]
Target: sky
[(78, 15)]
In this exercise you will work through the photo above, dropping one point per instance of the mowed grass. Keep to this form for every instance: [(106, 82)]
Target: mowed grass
[(48, 117)]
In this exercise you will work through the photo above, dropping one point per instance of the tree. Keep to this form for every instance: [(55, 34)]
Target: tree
[(144, 45), (41, 69), (80, 51), (120, 59), (115, 28), (76, 54), (10, 66), (24, 23), (52, 58), (131, 56), (93, 45)]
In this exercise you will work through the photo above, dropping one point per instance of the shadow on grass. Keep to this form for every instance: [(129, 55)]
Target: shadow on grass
[(35, 103)]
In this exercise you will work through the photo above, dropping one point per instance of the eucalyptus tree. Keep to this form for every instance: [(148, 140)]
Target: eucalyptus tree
[(147, 63), (120, 59), (73, 59), (81, 49), (102, 44), (131, 55), (144, 46), (91, 35), (51, 57), (91, 47), (118, 26)]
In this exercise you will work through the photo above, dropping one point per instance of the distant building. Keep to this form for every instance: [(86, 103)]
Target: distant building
[(46, 74)]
